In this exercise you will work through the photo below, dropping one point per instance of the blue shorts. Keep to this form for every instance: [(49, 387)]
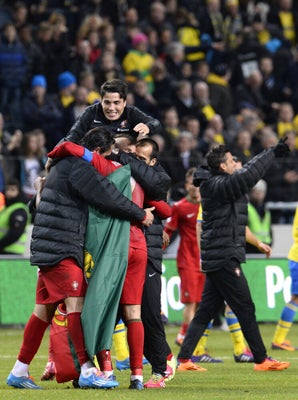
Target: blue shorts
[(293, 266)]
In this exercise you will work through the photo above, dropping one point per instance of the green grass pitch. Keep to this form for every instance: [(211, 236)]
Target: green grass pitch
[(226, 381)]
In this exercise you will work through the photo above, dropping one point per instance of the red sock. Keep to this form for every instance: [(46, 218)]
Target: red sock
[(169, 356), (75, 331), (33, 334), (183, 329), (104, 360), (135, 340)]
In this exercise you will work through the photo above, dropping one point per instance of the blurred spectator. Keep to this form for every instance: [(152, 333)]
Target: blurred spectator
[(67, 85), (32, 164), (14, 218), (259, 218), (93, 38), (41, 110), (242, 147), (13, 69), (177, 161), (171, 130), (19, 14), (143, 99), (174, 60), (157, 18), (183, 98), (221, 96), (107, 68), (285, 18), (33, 52), (221, 135), (53, 43), (77, 107), (271, 87), (205, 109), (250, 91), (290, 89), (245, 57), (125, 31), (191, 124), (11, 150), (80, 58), (233, 24), (212, 20), (162, 85), (285, 119), (91, 22), (87, 80), (138, 61)]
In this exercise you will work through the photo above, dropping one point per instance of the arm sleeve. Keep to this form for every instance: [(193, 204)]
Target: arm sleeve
[(162, 208), (155, 181), (99, 192)]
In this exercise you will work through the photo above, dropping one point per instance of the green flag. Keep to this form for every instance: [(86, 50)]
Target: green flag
[(106, 254)]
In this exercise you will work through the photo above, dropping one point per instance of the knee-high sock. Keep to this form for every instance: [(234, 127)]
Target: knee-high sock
[(120, 342), (104, 360), (235, 333), (202, 343), (135, 339), (33, 334), (285, 322), (75, 331)]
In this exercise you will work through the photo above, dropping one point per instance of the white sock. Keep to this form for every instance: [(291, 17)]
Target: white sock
[(87, 368), (138, 377), (20, 369)]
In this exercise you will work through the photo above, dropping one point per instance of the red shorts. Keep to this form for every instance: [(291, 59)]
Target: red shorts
[(57, 283), (135, 276), (192, 285)]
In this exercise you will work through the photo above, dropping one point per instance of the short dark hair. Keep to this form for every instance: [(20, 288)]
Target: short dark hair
[(98, 137), (147, 141), (114, 86), (216, 156)]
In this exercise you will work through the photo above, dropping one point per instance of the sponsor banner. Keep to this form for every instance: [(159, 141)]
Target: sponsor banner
[(268, 280)]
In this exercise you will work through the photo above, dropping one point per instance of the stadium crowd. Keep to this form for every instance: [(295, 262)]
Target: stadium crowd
[(212, 71)]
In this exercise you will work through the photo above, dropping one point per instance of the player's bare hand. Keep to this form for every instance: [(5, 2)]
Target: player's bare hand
[(149, 216), (264, 248), (141, 129), (165, 239)]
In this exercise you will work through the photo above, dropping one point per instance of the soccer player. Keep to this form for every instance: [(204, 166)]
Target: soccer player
[(279, 341), (57, 249)]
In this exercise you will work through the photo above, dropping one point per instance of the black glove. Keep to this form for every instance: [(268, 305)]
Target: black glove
[(282, 149)]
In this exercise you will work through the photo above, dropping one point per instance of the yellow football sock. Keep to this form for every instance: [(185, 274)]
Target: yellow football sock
[(235, 333), (120, 342), (201, 345), (285, 322)]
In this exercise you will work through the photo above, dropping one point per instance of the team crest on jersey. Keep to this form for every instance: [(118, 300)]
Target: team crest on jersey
[(237, 271), (123, 124), (75, 285)]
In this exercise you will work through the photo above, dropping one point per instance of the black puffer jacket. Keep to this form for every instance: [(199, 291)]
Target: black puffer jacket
[(94, 117), (224, 205), (61, 217)]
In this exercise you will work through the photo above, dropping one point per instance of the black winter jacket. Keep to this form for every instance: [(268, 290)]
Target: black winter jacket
[(61, 217), (94, 117), (224, 203)]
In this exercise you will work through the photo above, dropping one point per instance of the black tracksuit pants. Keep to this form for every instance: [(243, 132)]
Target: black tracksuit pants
[(156, 348), (227, 284)]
